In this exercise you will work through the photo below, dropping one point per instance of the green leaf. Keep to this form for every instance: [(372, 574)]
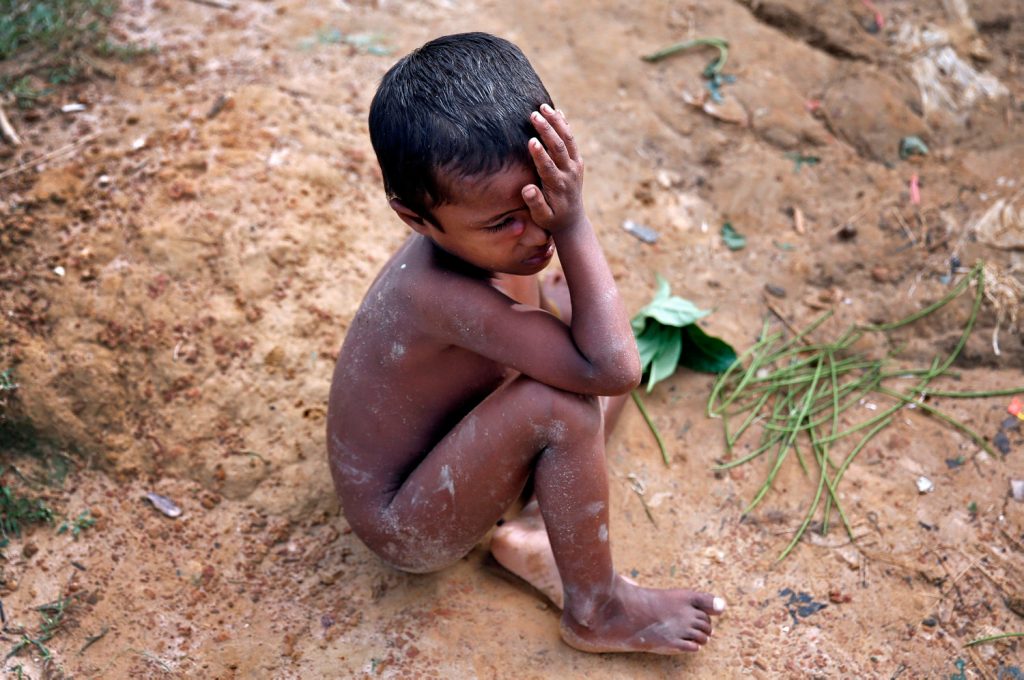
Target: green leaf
[(668, 309), (649, 342), (667, 358), (732, 238), (705, 353)]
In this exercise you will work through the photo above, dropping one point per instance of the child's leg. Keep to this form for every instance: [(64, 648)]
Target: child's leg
[(462, 487), (521, 544)]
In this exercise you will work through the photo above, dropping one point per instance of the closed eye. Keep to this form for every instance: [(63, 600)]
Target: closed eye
[(501, 225)]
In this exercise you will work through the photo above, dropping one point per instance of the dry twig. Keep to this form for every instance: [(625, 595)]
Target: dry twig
[(67, 148), (219, 4), (7, 130)]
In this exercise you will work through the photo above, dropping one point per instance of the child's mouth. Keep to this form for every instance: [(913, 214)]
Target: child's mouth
[(542, 254)]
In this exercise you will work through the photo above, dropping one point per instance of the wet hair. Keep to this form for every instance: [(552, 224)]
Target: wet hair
[(460, 105)]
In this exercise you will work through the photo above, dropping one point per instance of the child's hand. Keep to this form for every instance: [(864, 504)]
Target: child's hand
[(560, 167)]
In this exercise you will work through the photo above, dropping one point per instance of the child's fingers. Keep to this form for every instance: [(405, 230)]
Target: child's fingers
[(552, 142), (546, 167), (540, 211), (560, 123)]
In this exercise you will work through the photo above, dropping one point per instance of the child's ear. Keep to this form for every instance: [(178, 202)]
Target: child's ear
[(412, 218)]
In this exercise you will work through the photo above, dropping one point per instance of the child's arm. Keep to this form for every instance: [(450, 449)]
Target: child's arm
[(597, 353), (600, 328)]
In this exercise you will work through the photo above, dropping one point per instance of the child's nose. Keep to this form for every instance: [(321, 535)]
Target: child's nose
[(533, 235)]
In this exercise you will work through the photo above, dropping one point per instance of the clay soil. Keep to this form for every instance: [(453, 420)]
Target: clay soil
[(177, 279)]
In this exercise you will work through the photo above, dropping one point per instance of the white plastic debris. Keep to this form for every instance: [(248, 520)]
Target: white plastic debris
[(947, 83), (103, 180), (276, 157), (72, 108), (59, 271), (642, 232), (139, 144), (163, 504), (924, 485), (1002, 224), (1017, 489)]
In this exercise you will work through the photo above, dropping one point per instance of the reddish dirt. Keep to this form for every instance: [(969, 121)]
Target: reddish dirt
[(220, 215)]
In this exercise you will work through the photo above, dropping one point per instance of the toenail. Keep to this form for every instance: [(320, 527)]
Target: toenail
[(719, 604)]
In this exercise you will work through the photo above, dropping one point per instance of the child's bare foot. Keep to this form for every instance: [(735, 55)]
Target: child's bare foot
[(636, 619), (521, 545), (555, 296)]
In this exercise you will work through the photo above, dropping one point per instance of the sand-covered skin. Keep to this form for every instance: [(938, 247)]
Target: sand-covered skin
[(212, 264)]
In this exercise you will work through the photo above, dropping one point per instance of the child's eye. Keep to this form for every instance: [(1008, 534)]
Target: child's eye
[(501, 225)]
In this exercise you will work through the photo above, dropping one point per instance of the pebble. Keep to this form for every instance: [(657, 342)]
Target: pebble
[(925, 485), (1002, 442), (1017, 489)]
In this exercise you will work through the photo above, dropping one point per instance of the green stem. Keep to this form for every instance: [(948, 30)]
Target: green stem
[(720, 43), (853, 454), (907, 399), (973, 395), (650, 424), (810, 511), (993, 638), (785, 444)]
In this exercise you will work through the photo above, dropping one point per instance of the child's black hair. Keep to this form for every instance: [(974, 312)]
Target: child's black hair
[(460, 105)]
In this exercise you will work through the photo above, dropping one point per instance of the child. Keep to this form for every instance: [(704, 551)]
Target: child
[(454, 387)]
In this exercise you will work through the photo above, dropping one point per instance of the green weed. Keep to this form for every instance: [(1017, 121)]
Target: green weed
[(18, 511), (54, 616), (77, 525), (55, 41)]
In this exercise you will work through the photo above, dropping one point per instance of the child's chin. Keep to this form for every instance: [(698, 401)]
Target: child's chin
[(529, 269)]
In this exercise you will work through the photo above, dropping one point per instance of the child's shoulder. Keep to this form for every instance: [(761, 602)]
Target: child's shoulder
[(414, 280)]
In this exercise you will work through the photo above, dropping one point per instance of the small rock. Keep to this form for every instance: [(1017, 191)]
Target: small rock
[(924, 485), (668, 179), (775, 291), (1017, 490), (882, 274), (1002, 442), (29, 550), (930, 622)]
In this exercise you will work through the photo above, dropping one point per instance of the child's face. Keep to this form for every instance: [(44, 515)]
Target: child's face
[(487, 224)]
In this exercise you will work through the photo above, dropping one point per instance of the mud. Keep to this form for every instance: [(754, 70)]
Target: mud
[(218, 217)]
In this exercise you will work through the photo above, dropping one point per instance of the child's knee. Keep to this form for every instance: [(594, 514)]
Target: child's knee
[(560, 413)]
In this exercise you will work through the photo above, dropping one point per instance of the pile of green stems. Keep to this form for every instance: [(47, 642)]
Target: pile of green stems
[(796, 390)]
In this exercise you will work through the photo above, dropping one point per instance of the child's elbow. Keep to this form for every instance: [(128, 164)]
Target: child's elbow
[(625, 377)]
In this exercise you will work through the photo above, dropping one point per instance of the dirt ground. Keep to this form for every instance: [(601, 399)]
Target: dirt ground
[(177, 277)]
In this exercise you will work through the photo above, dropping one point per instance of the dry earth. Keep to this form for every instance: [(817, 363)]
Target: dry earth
[(219, 216)]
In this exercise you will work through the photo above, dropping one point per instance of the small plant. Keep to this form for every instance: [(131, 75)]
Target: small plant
[(54, 615), (17, 511), (77, 525)]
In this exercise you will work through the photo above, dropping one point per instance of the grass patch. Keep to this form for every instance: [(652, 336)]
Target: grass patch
[(45, 43)]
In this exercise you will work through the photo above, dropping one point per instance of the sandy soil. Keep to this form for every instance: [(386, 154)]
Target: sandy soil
[(219, 217)]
